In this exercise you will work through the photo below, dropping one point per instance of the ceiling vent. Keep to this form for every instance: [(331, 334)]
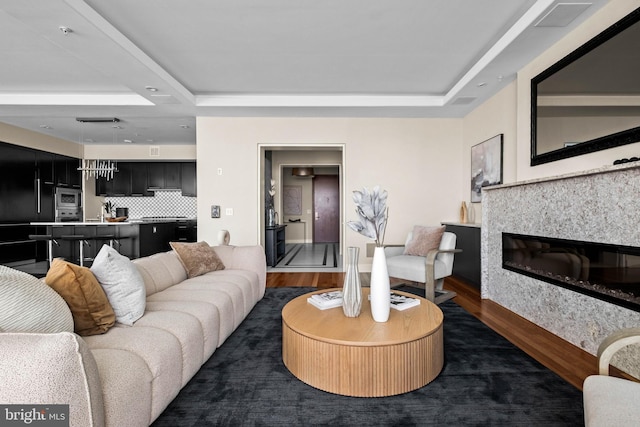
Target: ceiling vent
[(98, 119), (562, 14)]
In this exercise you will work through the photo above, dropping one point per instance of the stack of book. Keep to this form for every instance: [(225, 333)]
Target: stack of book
[(401, 302), (326, 300)]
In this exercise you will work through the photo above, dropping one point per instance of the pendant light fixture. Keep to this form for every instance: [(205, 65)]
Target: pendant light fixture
[(303, 172)]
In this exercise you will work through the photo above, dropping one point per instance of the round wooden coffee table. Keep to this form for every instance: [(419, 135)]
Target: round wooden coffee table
[(358, 356)]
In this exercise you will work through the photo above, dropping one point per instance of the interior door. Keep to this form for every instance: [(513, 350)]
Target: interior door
[(326, 203)]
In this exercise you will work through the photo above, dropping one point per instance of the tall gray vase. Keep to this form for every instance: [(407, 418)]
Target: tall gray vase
[(351, 289)]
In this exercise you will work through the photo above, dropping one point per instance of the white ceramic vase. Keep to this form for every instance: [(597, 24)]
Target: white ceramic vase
[(379, 288)]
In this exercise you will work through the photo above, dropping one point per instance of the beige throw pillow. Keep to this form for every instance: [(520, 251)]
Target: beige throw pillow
[(197, 258), (92, 313), (423, 240)]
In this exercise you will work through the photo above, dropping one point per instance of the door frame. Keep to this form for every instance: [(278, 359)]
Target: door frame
[(263, 147)]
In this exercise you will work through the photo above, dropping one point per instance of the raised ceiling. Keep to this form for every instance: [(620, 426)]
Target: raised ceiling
[(330, 58)]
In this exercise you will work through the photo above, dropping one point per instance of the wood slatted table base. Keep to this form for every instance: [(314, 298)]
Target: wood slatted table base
[(374, 367)]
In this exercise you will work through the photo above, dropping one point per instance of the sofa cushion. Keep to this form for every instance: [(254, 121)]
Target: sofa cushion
[(160, 271), (122, 283), (160, 350), (197, 258), (91, 310), (206, 313), (423, 240), (27, 304), (126, 387), (186, 328)]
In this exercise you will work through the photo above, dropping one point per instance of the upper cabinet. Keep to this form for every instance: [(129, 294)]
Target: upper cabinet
[(142, 178), (188, 177), (27, 180), (66, 171)]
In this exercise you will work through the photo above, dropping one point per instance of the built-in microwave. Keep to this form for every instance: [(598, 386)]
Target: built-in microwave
[(68, 198)]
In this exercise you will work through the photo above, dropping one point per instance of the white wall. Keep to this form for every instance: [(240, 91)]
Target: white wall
[(494, 117), (39, 141), (416, 160)]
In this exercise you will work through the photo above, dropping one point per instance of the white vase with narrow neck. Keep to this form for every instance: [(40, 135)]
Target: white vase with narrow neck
[(379, 288)]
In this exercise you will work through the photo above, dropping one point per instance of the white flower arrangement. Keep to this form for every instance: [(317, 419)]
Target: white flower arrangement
[(272, 192), (372, 209)]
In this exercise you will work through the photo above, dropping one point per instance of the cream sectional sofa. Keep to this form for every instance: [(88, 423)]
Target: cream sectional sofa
[(128, 375)]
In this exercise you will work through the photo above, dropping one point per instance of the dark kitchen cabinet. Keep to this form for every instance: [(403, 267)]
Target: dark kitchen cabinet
[(121, 181), (66, 171), (139, 185), (45, 186), (188, 179), (138, 178), (172, 175), (186, 231), (155, 237), (155, 175), (18, 199)]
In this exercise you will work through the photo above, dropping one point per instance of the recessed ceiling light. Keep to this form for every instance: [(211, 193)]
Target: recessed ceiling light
[(149, 140), (45, 127), (65, 30), (116, 127), (128, 141), (481, 84), (184, 126), (151, 88)]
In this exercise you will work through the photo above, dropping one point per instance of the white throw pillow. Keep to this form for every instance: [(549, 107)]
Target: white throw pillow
[(122, 283), (27, 304)]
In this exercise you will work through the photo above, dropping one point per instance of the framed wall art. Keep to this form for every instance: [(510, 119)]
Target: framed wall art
[(486, 166), (292, 199)]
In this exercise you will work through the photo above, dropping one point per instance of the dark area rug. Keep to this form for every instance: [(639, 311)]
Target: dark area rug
[(486, 381)]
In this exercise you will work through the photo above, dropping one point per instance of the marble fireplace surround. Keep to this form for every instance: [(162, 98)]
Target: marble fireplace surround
[(601, 205)]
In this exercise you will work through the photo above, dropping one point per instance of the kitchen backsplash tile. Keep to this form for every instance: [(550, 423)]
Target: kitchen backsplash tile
[(164, 203)]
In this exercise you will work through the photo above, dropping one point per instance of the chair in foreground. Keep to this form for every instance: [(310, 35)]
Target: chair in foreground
[(612, 401), (424, 260)]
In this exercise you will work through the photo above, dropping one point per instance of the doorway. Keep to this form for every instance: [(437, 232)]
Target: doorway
[(297, 204)]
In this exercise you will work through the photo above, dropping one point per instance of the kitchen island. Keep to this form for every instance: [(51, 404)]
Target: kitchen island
[(132, 238)]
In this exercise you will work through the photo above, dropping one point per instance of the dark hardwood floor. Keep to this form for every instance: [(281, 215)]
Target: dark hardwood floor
[(568, 361)]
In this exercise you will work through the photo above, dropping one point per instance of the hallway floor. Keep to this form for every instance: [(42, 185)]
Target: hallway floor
[(309, 257)]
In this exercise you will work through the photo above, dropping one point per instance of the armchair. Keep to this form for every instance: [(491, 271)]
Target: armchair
[(425, 271), (611, 401)]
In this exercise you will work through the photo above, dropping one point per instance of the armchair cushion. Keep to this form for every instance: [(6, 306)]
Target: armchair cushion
[(423, 240)]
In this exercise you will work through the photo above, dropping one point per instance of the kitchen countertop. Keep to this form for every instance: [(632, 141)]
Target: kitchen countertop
[(128, 222)]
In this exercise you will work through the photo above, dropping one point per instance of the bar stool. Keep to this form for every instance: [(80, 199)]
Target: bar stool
[(118, 241), (50, 241), (81, 239), (110, 237)]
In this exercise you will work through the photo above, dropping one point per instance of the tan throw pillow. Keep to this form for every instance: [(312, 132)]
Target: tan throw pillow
[(91, 310), (423, 240), (197, 258)]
